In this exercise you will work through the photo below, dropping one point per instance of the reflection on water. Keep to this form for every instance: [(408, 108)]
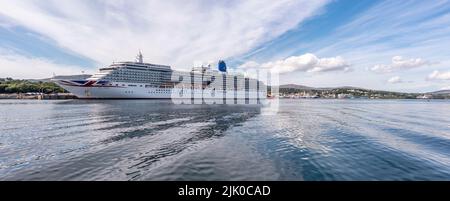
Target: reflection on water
[(156, 140)]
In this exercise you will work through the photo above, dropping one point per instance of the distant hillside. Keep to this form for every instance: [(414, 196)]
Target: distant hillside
[(441, 92), (290, 90), (10, 86), (307, 88), (295, 86)]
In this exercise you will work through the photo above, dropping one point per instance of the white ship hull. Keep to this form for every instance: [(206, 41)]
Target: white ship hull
[(138, 92)]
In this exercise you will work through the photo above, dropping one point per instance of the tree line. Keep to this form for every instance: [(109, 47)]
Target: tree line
[(9, 85)]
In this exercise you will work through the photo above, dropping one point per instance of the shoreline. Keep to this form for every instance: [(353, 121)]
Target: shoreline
[(38, 96), (69, 96)]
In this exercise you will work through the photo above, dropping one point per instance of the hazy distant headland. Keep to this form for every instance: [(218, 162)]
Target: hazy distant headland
[(347, 92)]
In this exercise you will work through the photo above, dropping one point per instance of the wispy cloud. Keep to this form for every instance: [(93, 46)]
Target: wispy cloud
[(307, 63), (395, 80), (168, 32), (437, 75), (18, 66), (445, 88), (400, 63), (394, 27)]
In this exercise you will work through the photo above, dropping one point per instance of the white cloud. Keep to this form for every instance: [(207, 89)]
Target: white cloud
[(169, 32), (17, 66), (306, 62), (331, 64), (445, 88), (249, 64), (437, 75), (395, 80), (400, 63)]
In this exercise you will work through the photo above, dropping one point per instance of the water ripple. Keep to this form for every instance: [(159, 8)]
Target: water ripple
[(156, 140)]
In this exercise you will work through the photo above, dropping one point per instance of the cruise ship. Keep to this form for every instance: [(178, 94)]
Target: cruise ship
[(140, 80)]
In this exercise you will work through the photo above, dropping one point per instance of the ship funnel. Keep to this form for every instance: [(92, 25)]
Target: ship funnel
[(222, 66)]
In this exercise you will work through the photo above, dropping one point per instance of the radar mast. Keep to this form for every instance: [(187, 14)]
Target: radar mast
[(139, 57)]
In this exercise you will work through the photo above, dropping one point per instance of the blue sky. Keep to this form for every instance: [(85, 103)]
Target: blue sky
[(389, 45)]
